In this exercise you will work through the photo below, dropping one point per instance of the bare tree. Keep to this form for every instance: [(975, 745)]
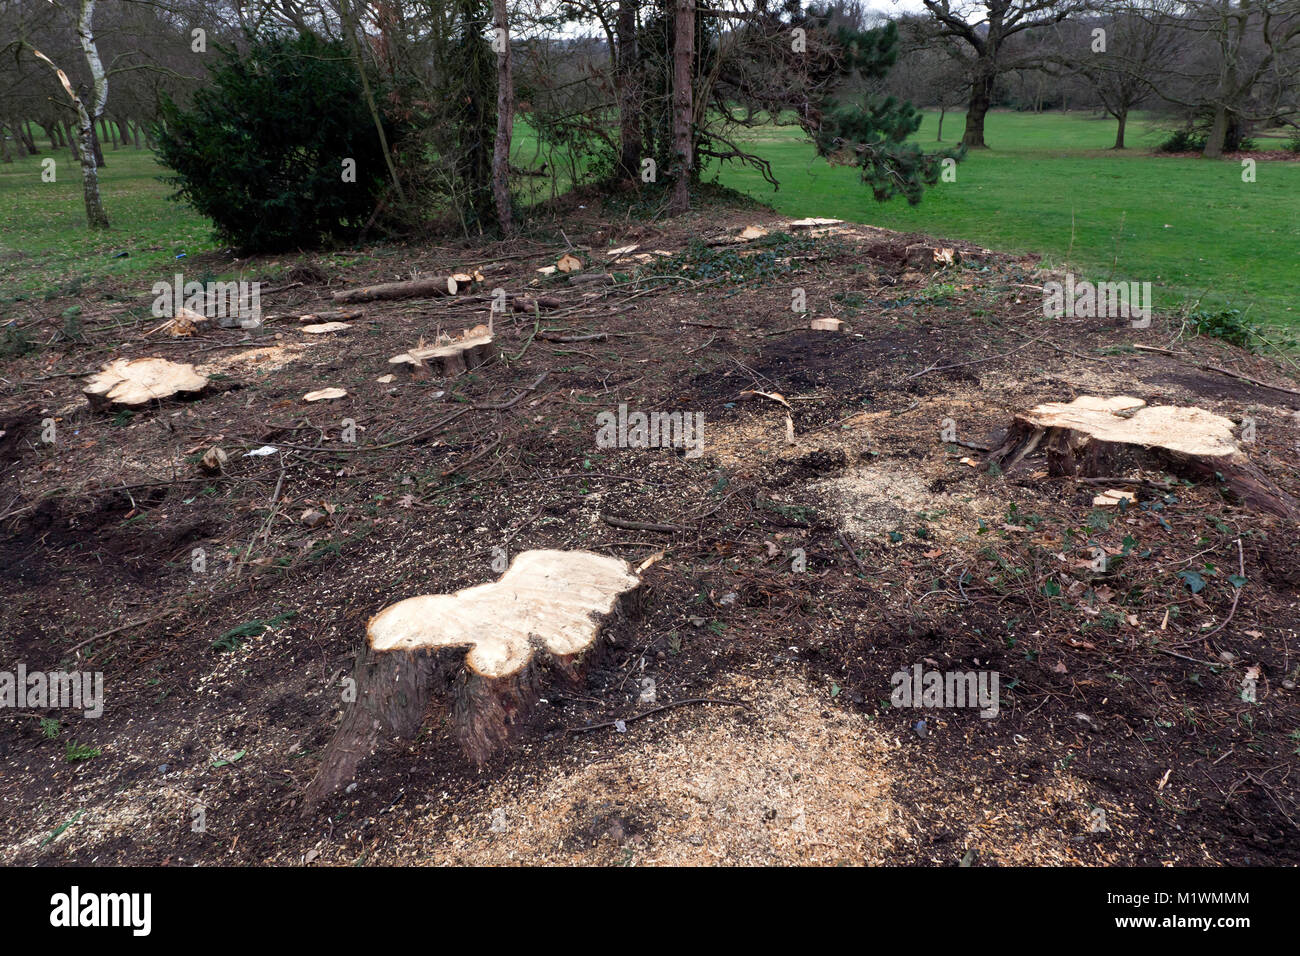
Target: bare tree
[(96, 217), (1242, 66), (984, 27), (1122, 54)]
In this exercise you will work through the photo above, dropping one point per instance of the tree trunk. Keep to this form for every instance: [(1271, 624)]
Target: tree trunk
[(1218, 133), (981, 95), (25, 128), (98, 149), (942, 109), (5, 133), (4, 147), (1119, 130), (96, 217), (135, 134), (629, 92), (505, 121), (683, 107)]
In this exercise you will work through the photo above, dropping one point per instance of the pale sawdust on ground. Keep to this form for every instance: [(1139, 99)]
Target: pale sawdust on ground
[(871, 497), (795, 780), (263, 358)]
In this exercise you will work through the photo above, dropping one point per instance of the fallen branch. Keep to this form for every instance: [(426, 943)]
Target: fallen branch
[(640, 525), (594, 337)]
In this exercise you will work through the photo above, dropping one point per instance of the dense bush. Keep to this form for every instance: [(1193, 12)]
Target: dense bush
[(1183, 141), (1191, 139), (261, 150)]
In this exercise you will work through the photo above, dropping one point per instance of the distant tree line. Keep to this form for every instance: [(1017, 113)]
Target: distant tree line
[(638, 96)]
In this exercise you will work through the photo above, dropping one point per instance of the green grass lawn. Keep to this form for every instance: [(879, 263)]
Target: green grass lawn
[(1051, 184), (45, 246)]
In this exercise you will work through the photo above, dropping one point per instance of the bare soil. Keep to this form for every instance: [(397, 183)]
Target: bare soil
[(1122, 736)]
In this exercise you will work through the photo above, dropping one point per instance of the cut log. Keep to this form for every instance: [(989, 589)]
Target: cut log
[(525, 303), (415, 289), (592, 278), (339, 315), (813, 223), (494, 645), (568, 263), (474, 348), (130, 382), (826, 325), (325, 395), (1092, 437)]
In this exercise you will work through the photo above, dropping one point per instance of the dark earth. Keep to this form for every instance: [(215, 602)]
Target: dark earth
[(1123, 736)]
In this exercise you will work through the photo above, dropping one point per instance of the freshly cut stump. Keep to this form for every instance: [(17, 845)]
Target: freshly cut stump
[(130, 382), (474, 348), (541, 619), (1096, 437)]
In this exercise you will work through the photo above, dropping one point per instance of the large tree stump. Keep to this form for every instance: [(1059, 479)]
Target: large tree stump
[(131, 382), (1108, 437), (540, 621)]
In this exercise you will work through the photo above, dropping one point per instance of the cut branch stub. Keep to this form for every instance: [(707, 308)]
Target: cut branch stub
[(131, 382), (475, 347), (1094, 437), (494, 643)]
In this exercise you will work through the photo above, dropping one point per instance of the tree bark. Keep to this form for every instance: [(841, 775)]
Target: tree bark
[(1119, 130), (683, 106), (99, 149), (981, 96), (629, 91), (505, 122), (1218, 133)]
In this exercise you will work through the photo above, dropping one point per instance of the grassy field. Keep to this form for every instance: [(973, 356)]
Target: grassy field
[(1049, 184), (45, 246)]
